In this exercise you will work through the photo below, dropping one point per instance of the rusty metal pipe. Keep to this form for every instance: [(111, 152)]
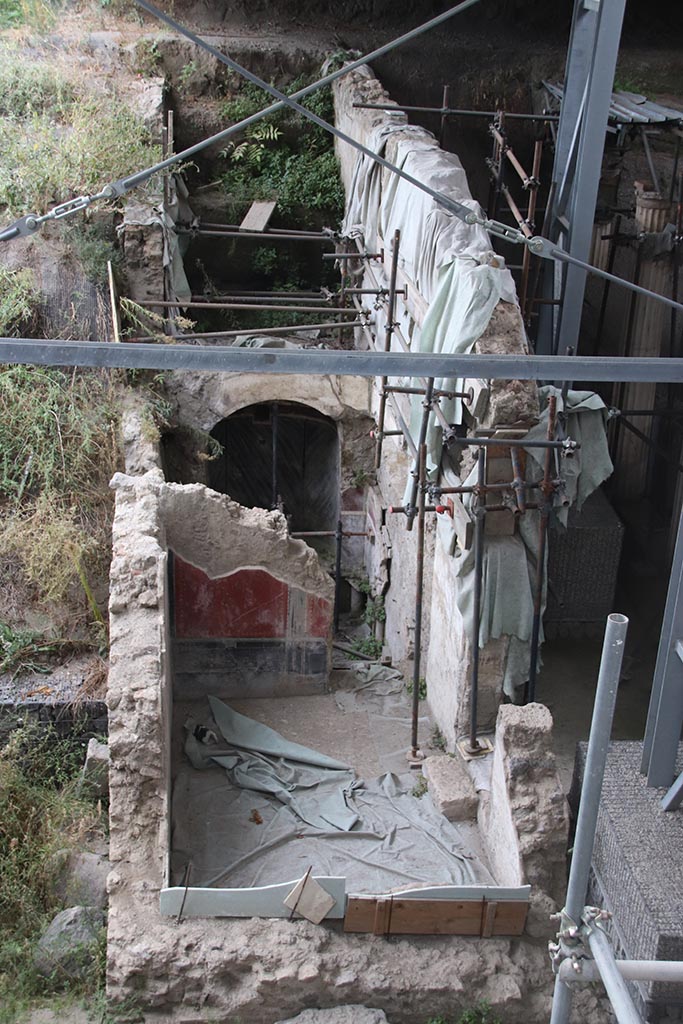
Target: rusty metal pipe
[(419, 583), (547, 488)]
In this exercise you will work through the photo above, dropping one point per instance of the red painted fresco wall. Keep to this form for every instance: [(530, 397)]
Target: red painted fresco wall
[(248, 604)]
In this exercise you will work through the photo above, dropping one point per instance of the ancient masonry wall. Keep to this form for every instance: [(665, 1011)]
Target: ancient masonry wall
[(262, 971), (446, 653)]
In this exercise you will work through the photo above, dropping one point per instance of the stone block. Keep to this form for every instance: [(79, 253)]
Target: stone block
[(451, 787), (339, 1015), (94, 780), (68, 947), (81, 878)]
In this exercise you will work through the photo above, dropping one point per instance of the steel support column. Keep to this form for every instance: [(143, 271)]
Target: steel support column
[(665, 716)]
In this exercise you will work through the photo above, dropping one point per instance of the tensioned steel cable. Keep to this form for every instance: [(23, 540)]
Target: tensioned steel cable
[(31, 222), (538, 245)]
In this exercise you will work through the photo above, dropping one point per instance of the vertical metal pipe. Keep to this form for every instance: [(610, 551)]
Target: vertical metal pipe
[(531, 214), (596, 758), (445, 102), (498, 148), (388, 332), (427, 408), (615, 986), (616, 227), (476, 610), (547, 490), (518, 479), (419, 583), (339, 537), (273, 435)]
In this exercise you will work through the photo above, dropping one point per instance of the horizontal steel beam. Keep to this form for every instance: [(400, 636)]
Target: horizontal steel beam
[(229, 359)]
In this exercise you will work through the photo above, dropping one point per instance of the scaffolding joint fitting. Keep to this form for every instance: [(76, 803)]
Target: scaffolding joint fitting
[(569, 448)]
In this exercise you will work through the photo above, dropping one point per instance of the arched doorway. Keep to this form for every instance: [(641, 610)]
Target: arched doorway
[(280, 455)]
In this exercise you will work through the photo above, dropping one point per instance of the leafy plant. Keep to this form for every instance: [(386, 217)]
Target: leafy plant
[(25, 650), (374, 611), (481, 1013), (421, 688), (437, 739), (369, 646), (300, 173), (147, 58), (185, 74), (419, 789)]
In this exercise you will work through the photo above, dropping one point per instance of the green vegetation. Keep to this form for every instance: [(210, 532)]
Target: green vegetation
[(284, 157), (479, 1014), (18, 300), (418, 791), (36, 13), (374, 611), (421, 688), (58, 450), (51, 148), (370, 647), (437, 739), (40, 815), (25, 650)]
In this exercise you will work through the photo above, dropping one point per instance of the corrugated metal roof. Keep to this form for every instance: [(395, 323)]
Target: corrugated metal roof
[(630, 108)]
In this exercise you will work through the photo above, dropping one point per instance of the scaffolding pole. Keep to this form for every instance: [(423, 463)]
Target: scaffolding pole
[(452, 112), (596, 758), (388, 333), (419, 583)]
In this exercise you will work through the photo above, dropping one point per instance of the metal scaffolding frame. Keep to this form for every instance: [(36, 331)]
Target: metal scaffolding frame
[(589, 78)]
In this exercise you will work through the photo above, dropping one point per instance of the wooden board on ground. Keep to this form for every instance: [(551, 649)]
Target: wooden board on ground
[(392, 915), (258, 216)]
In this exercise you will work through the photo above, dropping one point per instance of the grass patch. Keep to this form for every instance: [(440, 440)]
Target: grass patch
[(39, 816), (36, 13), (58, 451), (50, 148), (19, 298), (481, 1013)]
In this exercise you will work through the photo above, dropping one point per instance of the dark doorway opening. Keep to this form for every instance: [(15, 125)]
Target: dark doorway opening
[(280, 455)]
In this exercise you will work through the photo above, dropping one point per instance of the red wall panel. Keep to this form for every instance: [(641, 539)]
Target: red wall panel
[(249, 603)]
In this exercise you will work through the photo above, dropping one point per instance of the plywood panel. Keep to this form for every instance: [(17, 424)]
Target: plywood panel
[(392, 915)]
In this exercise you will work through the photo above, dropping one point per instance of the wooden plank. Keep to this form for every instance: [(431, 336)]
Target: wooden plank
[(519, 893), (382, 922), (464, 527), (414, 917), (488, 918), (258, 216), (510, 917)]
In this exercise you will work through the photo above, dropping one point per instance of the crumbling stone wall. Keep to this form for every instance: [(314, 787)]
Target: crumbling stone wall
[(524, 817), (255, 970)]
